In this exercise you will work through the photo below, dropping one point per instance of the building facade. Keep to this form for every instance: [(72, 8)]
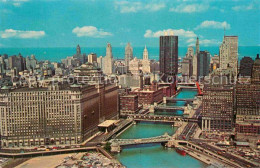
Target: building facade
[(203, 61), (59, 114), (108, 68), (218, 108), (128, 55), (128, 104), (248, 103), (195, 58), (228, 54)]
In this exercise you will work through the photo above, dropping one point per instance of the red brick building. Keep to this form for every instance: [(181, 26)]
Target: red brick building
[(128, 104)]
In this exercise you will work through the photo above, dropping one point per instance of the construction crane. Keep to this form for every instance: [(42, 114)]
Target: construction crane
[(199, 90)]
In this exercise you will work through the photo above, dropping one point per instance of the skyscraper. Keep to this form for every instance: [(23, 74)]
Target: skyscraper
[(186, 64), (203, 61), (246, 65), (80, 57), (256, 71), (228, 54), (109, 62), (195, 58), (128, 55), (146, 64), (248, 103), (168, 58)]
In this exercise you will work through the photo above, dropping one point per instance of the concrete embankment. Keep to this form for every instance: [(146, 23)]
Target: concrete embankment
[(121, 132)]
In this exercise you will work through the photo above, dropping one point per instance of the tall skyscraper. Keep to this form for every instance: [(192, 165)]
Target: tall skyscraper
[(186, 64), (146, 64), (128, 55), (246, 65), (228, 54), (256, 71), (168, 57), (248, 103), (109, 62), (203, 61), (78, 49), (80, 57), (195, 59)]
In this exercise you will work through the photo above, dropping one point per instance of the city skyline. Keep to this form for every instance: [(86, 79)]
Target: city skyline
[(66, 24)]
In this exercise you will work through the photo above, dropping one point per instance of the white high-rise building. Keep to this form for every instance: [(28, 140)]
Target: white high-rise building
[(195, 58), (108, 60), (128, 55), (228, 54), (146, 64)]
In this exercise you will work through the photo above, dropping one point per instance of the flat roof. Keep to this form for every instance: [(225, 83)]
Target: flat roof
[(107, 123)]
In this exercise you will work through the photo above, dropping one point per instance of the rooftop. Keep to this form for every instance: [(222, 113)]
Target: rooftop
[(107, 123)]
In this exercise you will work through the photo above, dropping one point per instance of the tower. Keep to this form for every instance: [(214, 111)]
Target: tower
[(228, 54), (128, 55), (145, 53), (168, 58), (256, 71), (78, 49), (195, 58), (109, 62)]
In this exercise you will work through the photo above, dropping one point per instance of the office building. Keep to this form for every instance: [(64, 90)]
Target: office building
[(108, 61), (92, 58), (203, 61), (195, 59), (128, 55), (169, 58), (128, 104), (55, 115), (248, 103), (218, 108), (228, 54)]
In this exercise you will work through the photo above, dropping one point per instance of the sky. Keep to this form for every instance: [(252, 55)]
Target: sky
[(93, 23)]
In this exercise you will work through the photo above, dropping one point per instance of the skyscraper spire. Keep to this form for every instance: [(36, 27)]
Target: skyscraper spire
[(128, 55), (109, 51), (145, 53), (197, 46), (78, 49)]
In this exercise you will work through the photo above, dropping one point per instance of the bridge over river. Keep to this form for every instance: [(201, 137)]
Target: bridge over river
[(161, 118), (163, 107), (116, 144)]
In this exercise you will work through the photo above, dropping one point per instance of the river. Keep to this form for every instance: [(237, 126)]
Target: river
[(155, 155)]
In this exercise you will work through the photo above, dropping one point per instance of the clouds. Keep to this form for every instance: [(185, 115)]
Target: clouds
[(189, 8), (11, 33), (179, 32), (243, 7), (186, 37), (134, 7), (90, 31), (213, 24), (16, 3)]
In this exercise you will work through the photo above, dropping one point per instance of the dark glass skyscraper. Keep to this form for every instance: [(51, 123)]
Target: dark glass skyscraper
[(203, 61), (168, 58)]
